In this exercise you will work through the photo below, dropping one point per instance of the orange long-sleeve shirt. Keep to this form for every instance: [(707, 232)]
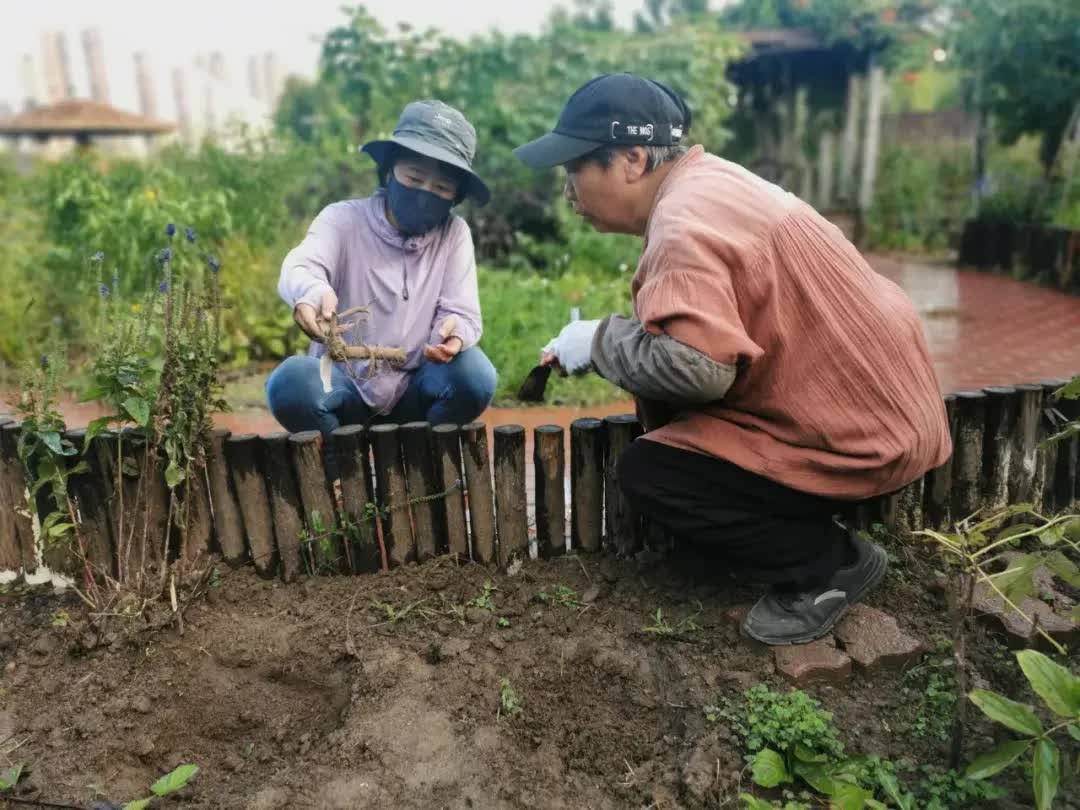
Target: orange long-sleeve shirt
[(835, 393)]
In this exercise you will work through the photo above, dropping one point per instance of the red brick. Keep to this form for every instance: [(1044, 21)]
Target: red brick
[(874, 640), (1020, 632), (816, 662)]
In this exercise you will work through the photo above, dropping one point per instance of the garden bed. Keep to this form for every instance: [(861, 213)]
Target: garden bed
[(559, 686)]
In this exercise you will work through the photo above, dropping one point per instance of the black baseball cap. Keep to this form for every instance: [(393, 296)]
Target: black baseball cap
[(616, 108)]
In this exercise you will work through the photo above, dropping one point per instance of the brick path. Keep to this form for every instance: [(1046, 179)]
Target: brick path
[(986, 329)]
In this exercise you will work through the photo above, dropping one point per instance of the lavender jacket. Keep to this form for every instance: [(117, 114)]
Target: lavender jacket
[(411, 285)]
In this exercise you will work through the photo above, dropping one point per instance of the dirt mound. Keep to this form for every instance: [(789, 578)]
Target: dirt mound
[(420, 688)]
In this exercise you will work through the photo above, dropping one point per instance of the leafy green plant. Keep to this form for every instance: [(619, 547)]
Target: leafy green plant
[(976, 553), (1059, 690), (483, 600), (662, 627), (790, 739), (932, 688), (167, 785), (510, 704), (562, 596), (10, 777)]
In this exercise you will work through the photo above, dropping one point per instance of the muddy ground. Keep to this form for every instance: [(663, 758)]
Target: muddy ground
[(385, 691)]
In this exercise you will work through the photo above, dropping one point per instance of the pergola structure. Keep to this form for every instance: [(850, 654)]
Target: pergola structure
[(81, 120), (808, 117)]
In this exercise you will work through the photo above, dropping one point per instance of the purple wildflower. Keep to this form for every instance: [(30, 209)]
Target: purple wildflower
[(103, 290), (190, 234), (163, 287), (170, 230), (44, 361), (164, 255), (215, 265), (97, 257)]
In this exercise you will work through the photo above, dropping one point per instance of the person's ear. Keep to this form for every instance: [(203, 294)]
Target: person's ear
[(634, 161)]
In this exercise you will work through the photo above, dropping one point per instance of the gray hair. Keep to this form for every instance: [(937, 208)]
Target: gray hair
[(655, 156)]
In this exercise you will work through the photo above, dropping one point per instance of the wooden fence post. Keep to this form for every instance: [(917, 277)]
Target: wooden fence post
[(1026, 444), (306, 449), (967, 453), (909, 511), (549, 460), (586, 484), (285, 507), (393, 499), (1046, 460), (357, 492), (479, 493), (89, 494), (1066, 488), (423, 489), (511, 514), (1002, 411), (451, 478), (228, 522), (242, 452), (16, 529), (937, 496), (624, 532)]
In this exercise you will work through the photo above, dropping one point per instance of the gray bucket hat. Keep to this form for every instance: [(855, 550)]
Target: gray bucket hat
[(435, 130)]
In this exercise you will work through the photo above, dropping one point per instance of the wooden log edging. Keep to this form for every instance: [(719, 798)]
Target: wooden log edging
[(1045, 254), (431, 490)]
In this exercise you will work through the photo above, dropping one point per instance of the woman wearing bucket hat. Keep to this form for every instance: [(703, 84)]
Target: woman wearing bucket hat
[(402, 254)]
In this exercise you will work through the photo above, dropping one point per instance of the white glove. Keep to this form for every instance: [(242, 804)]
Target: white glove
[(573, 347)]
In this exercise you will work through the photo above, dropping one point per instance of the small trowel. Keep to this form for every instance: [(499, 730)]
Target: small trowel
[(532, 390)]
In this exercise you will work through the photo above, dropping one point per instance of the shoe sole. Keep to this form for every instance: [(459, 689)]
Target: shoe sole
[(881, 566)]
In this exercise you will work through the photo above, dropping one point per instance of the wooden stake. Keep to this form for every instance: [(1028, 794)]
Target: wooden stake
[(228, 521), (423, 488), (1001, 414), (357, 495), (510, 499), (10, 543), (549, 462), (17, 495), (586, 484), (623, 526), (88, 491), (451, 478), (937, 495), (1046, 461), (286, 508), (967, 453), (393, 498), (242, 453), (317, 500), (481, 502), (1026, 441)]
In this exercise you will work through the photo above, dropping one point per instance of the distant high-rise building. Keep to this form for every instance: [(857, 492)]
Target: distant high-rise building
[(95, 65), (30, 80), (144, 85), (182, 95), (271, 79), (217, 65), (256, 88), (56, 67)]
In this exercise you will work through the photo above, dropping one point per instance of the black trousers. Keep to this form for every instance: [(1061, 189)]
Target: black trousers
[(758, 528)]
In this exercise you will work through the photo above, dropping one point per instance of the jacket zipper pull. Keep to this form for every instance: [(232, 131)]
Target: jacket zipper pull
[(405, 282)]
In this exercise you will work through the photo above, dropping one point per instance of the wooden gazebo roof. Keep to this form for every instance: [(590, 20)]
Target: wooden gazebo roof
[(81, 119)]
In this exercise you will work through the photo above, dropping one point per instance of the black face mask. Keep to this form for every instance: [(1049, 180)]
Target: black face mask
[(417, 211)]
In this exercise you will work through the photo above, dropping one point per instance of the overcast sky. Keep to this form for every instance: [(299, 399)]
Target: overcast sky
[(175, 32)]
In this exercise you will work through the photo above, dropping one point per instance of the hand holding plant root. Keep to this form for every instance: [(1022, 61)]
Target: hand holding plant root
[(331, 330)]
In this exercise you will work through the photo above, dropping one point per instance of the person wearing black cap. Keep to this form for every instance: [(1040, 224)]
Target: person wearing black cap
[(778, 377), (402, 254)]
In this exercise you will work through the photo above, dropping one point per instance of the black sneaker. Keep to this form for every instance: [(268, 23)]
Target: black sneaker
[(799, 617)]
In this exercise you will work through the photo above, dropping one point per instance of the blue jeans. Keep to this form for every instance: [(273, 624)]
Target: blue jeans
[(440, 393)]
